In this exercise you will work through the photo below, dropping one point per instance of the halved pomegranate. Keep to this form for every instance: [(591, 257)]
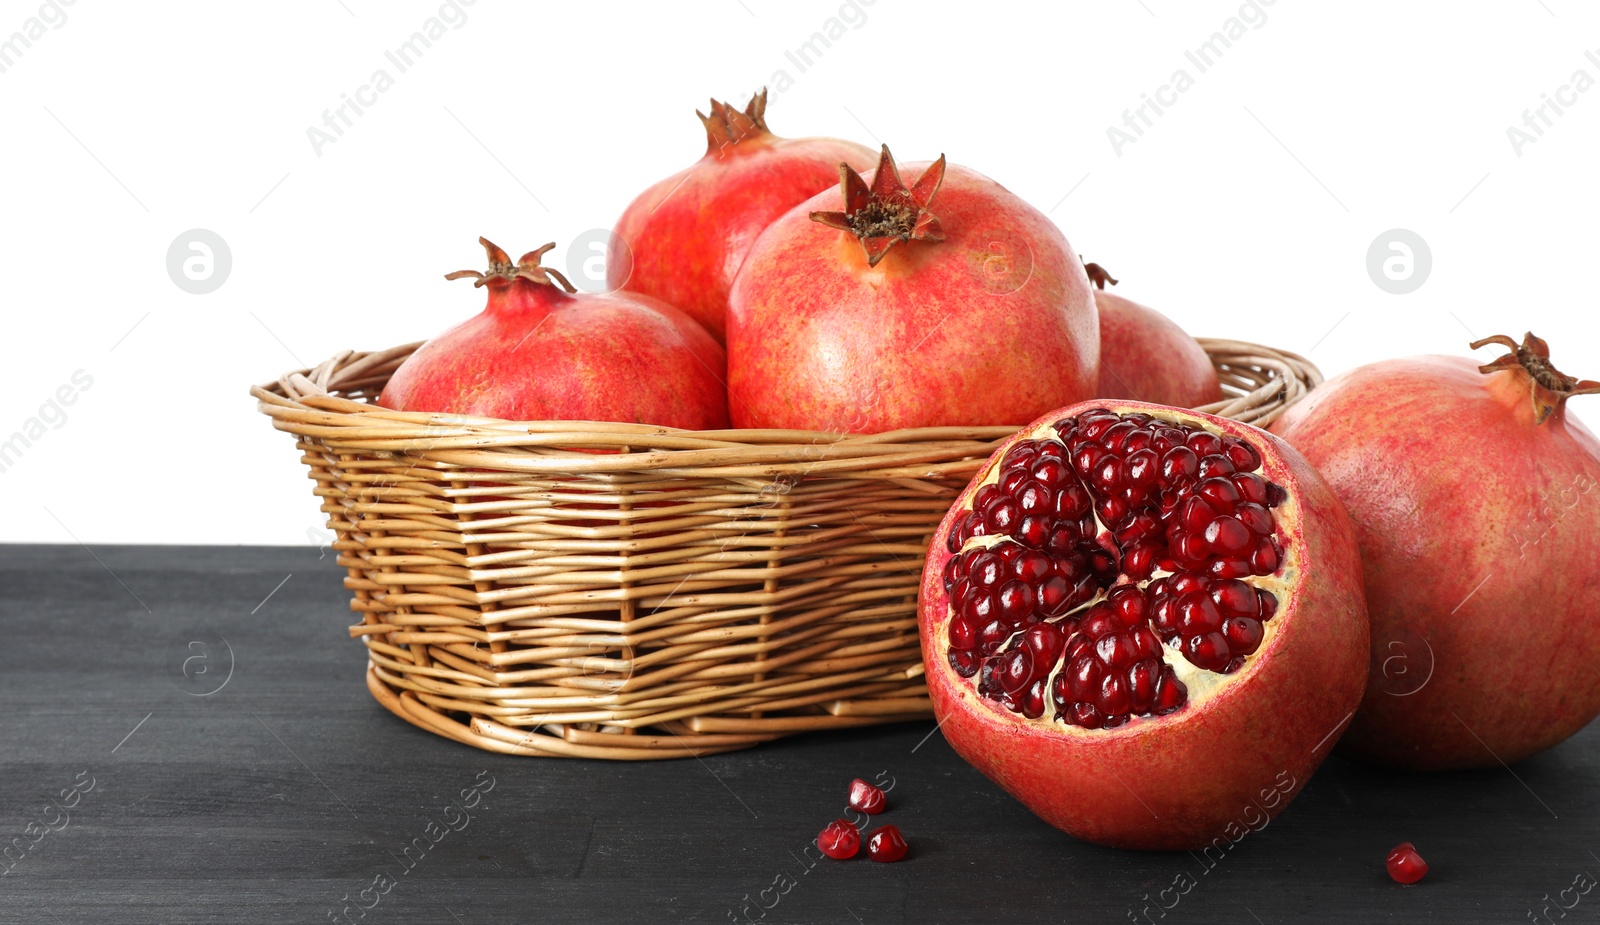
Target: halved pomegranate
[(1145, 623)]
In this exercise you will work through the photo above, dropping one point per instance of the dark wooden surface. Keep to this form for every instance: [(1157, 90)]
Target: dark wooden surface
[(288, 789)]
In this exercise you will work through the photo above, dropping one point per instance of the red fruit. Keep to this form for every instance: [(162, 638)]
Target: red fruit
[(1405, 864), (950, 303), (1175, 720), (1144, 355), (867, 798), (839, 840), (540, 352), (886, 844), (686, 236), (1473, 493)]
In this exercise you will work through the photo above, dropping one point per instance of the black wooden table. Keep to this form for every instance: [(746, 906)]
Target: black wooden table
[(134, 790)]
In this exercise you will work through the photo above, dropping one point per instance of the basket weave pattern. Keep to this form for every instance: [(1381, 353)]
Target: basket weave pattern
[(623, 591)]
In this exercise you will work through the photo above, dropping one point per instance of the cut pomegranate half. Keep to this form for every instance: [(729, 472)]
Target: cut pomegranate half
[(1126, 572), (1109, 564)]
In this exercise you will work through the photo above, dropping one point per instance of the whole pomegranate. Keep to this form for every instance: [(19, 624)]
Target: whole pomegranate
[(981, 315), (1473, 494), (539, 352), (1145, 623), (686, 236), (1144, 355)]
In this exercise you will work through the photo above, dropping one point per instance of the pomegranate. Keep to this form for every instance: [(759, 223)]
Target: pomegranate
[(866, 798), (887, 845), (1144, 355), (981, 315), (1405, 864), (1473, 494), (839, 840), (539, 352), (683, 239), (1144, 623)]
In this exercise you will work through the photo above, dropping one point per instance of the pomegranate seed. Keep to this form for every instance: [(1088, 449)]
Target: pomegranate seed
[(1243, 635), (1405, 864), (866, 797), (963, 635), (886, 845), (964, 663), (839, 840), (1118, 498), (1205, 443), (1213, 467), (1228, 536)]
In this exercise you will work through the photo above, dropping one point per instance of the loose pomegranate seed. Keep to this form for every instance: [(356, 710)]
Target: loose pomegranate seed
[(1126, 545), (886, 845), (1405, 864), (839, 840), (866, 797)]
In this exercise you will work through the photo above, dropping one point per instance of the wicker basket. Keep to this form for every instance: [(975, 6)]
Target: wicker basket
[(681, 593)]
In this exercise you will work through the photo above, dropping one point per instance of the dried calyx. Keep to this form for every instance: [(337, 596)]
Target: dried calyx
[(728, 126), (501, 269), (1548, 387), (1098, 275), (887, 212)]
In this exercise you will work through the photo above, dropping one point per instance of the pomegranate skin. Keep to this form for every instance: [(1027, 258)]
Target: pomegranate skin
[(993, 324), (538, 353), (1146, 356), (1215, 770), (1477, 530), (688, 235)]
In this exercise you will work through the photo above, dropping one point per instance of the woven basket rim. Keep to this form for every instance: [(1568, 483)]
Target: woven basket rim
[(1259, 383)]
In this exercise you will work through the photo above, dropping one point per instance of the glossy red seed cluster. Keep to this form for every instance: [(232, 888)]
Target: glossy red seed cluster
[(1087, 518)]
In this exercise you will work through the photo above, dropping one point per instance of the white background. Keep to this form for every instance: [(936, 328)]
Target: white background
[(1246, 210)]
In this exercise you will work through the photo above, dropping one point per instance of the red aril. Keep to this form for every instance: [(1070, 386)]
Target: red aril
[(1405, 864), (540, 352), (1144, 355), (887, 845), (1473, 493), (874, 308), (867, 798), (683, 239), (839, 840), (1144, 623)]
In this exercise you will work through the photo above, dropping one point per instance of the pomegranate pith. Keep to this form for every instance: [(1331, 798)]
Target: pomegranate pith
[(1473, 493), (1405, 864), (1135, 618), (839, 840)]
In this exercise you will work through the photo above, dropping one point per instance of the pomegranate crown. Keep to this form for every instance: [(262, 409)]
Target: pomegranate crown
[(728, 126), (501, 268), (1098, 275), (1548, 387), (887, 212)]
